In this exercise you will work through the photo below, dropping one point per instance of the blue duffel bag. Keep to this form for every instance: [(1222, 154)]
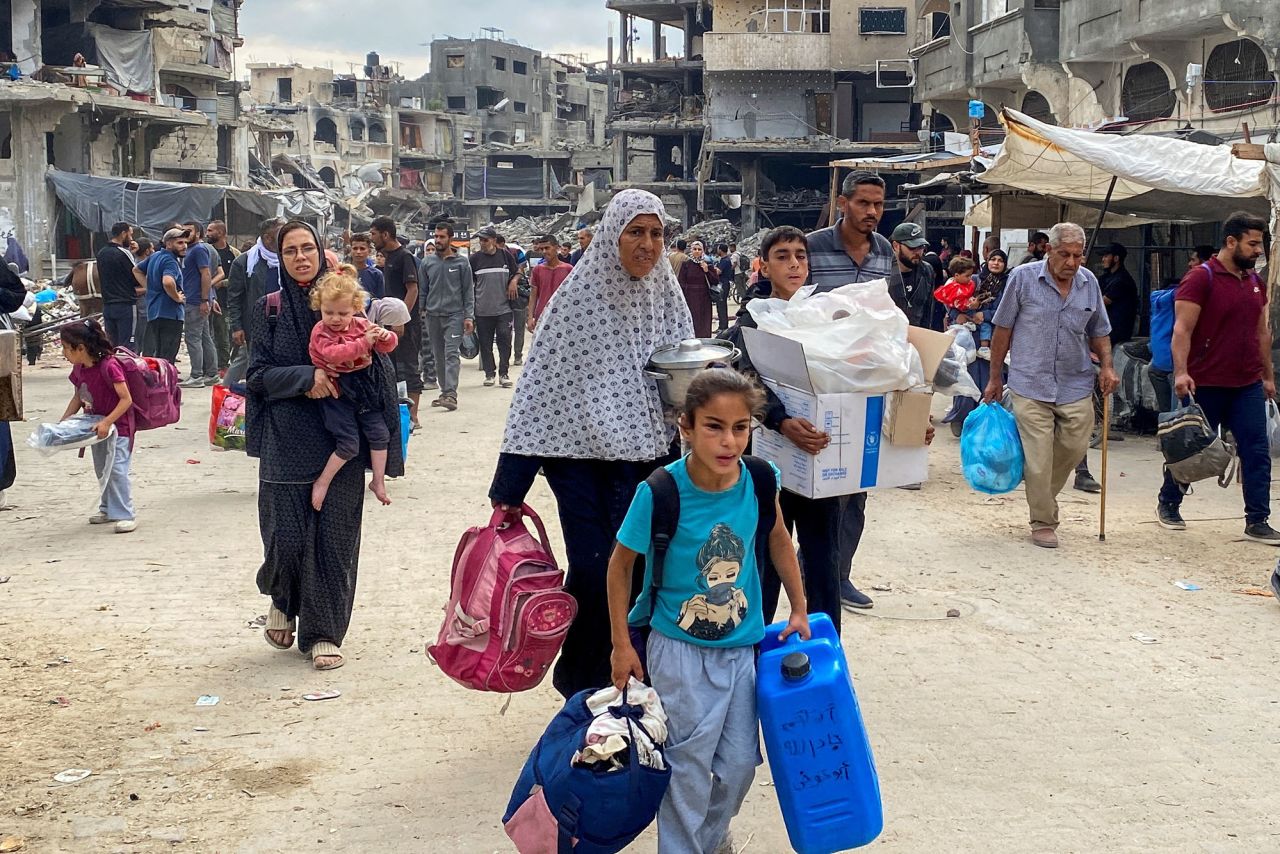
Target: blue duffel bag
[(557, 806)]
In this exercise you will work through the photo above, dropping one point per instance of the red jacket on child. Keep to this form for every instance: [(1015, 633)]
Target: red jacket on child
[(346, 352)]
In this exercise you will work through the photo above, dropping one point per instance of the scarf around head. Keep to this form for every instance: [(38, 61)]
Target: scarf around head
[(583, 393), (261, 252)]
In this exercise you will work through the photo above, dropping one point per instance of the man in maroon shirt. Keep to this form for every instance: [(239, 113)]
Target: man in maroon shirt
[(1222, 356), (546, 277)]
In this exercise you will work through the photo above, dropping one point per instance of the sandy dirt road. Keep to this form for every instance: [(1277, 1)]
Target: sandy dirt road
[(1031, 723)]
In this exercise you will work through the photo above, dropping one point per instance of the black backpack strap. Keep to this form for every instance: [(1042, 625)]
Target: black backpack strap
[(666, 516), (766, 489)]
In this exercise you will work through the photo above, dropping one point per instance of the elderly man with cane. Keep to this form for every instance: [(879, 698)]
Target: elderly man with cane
[(1051, 317)]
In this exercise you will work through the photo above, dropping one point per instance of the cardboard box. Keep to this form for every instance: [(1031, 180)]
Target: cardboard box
[(10, 375), (906, 418), (932, 347), (857, 460)]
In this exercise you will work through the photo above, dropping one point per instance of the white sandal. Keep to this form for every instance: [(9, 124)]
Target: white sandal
[(278, 622), (325, 649)]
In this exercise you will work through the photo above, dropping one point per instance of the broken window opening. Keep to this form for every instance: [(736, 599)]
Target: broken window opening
[(377, 132), (499, 63), (455, 60), (519, 67), (797, 16), (326, 131), (454, 102)]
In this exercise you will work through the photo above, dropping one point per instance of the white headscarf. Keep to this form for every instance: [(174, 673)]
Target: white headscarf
[(583, 393)]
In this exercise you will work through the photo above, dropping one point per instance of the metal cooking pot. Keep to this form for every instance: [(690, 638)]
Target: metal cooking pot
[(674, 367)]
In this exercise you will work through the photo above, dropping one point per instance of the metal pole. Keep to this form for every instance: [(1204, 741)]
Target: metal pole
[(1106, 203)]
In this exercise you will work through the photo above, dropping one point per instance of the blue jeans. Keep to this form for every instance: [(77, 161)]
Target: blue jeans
[(1243, 412), (117, 497)]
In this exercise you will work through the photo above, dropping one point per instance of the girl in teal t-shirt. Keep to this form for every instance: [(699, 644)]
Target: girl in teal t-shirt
[(707, 616)]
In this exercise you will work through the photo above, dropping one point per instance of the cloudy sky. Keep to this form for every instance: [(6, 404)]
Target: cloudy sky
[(315, 33)]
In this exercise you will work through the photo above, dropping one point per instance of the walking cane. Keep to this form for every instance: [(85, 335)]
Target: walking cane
[(1106, 428)]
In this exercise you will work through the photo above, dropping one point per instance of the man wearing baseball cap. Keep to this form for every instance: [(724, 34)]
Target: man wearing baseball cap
[(911, 280)]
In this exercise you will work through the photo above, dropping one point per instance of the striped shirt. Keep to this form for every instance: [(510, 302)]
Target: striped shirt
[(830, 266), (1049, 356)]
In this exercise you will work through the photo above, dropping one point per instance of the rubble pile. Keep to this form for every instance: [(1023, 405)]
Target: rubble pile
[(716, 231), (523, 229)]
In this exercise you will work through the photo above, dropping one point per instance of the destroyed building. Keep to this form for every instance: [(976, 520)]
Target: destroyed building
[(109, 88), (1149, 67), (530, 127), (742, 118)]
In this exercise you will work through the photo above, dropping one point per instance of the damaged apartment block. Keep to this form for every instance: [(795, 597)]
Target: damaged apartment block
[(112, 88), (531, 127), (765, 95)]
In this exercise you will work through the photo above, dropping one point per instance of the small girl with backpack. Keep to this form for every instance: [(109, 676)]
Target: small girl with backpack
[(701, 602), (101, 389)]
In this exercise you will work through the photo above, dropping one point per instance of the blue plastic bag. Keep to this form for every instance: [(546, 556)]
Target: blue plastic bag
[(991, 450)]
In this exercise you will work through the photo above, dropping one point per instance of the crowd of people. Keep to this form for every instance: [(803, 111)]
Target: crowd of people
[(325, 348)]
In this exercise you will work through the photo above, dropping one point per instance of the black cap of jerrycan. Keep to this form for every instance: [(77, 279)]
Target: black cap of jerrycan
[(795, 667)]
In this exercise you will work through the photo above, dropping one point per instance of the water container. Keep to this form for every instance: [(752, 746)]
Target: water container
[(405, 424), (821, 761)]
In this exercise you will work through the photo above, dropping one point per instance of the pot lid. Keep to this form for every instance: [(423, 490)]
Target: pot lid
[(692, 353)]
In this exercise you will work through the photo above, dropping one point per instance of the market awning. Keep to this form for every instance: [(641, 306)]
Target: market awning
[(1158, 178), (98, 201)]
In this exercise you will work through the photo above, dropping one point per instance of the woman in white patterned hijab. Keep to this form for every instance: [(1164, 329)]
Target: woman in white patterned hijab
[(585, 413)]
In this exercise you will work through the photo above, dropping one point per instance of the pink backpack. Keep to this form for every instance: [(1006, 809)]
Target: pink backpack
[(508, 613), (153, 384)]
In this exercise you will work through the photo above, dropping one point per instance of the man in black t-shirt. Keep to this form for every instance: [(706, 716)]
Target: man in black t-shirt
[(1119, 293), (216, 236), (114, 274), (401, 274)]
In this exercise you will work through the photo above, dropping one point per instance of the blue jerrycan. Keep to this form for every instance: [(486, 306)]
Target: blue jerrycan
[(821, 761)]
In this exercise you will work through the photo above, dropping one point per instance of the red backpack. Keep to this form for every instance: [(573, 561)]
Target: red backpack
[(508, 613), (153, 385)]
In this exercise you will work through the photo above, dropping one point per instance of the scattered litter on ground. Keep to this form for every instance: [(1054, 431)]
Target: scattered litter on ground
[(61, 702), (1253, 591), (323, 695), (11, 843), (207, 700), (882, 588), (151, 727), (953, 612), (62, 659), (1187, 585), (4, 579), (201, 729), (1141, 638), (193, 462), (72, 775), (258, 621)]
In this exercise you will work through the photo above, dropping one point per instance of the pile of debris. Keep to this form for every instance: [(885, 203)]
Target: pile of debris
[(523, 229), (716, 231)]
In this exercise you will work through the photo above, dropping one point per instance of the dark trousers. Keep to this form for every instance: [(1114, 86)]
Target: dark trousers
[(407, 355), (816, 523), (117, 322), (345, 424), (593, 497), (489, 329), (1162, 382), (221, 338), (163, 338), (1243, 412), (722, 304), (519, 317)]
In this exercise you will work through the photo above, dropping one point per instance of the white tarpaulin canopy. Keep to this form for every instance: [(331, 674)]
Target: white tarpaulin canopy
[(1157, 177)]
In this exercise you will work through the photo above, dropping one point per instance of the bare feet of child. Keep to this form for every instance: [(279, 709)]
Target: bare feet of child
[(319, 490), (379, 488)]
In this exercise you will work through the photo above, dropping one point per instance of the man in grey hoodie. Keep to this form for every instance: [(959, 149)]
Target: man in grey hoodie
[(450, 307)]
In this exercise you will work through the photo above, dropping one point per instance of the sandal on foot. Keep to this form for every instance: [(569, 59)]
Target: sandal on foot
[(325, 649), (278, 622)]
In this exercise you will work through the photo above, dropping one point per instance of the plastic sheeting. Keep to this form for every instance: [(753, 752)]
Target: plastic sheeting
[(1159, 177), (490, 182), (98, 201), (126, 56)]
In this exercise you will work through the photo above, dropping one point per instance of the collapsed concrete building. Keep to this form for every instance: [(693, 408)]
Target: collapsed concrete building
[(112, 88), (761, 95)]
